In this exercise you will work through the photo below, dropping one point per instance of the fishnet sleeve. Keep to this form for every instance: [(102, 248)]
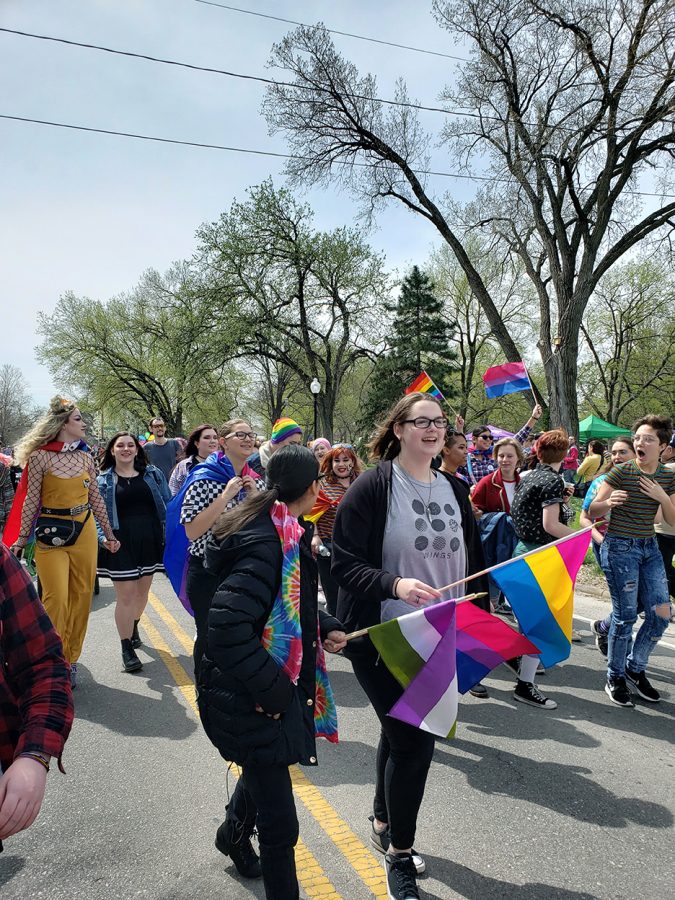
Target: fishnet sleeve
[(96, 502), (37, 466)]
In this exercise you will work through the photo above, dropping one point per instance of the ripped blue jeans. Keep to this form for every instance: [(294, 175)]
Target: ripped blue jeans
[(636, 578)]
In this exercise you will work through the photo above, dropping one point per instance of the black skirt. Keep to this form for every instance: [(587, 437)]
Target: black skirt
[(141, 551)]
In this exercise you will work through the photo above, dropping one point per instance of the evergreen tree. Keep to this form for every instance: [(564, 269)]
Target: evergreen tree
[(420, 340)]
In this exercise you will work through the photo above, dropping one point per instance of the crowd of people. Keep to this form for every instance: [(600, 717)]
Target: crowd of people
[(247, 531)]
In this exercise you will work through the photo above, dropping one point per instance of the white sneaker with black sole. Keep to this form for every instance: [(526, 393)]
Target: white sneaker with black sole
[(381, 841), (401, 877), (526, 692)]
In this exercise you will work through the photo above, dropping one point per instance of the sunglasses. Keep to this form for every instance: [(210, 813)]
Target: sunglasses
[(486, 437)]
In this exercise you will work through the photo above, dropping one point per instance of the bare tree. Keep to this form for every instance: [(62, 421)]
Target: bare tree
[(569, 104), (17, 411)]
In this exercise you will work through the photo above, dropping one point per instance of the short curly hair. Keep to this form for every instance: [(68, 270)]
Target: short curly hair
[(552, 446)]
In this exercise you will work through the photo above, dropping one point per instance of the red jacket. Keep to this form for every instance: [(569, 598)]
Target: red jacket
[(36, 703), (490, 494)]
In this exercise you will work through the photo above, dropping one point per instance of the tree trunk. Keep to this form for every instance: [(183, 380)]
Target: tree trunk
[(561, 381)]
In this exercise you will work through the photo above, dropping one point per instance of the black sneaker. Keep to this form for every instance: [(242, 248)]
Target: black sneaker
[(401, 877), (601, 637), (526, 692), (617, 691), (513, 664), (381, 841), (479, 690), (130, 662), (641, 684), (234, 840)]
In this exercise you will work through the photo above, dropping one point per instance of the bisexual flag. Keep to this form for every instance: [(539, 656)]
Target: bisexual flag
[(507, 379)]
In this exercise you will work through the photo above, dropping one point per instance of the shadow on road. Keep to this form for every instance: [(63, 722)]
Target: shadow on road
[(347, 690), (349, 762), (10, 865), (565, 789), (474, 886)]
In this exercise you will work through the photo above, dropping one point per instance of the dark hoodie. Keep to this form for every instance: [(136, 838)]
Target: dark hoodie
[(237, 672)]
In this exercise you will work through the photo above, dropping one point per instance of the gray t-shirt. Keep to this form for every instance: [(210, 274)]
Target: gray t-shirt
[(163, 457), (423, 537)]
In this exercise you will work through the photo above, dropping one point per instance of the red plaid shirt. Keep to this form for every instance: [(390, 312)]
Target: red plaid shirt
[(36, 702)]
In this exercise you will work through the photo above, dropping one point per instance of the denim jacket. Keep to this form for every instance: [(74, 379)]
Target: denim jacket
[(155, 480)]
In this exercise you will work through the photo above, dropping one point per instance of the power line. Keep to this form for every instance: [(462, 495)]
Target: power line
[(359, 37), (214, 71), (271, 153)]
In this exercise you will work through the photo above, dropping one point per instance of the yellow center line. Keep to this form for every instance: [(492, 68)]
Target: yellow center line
[(362, 860), (310, 874)]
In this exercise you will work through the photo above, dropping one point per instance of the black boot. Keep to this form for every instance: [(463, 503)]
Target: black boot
[(135, 636), (130, 661), (233, 839)]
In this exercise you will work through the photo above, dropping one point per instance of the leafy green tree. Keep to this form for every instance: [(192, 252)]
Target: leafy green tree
[(421, 335)]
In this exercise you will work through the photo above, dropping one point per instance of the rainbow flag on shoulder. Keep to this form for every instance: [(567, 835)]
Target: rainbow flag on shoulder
[(507, 379), (424, 385), (539, 585), (439, 652)]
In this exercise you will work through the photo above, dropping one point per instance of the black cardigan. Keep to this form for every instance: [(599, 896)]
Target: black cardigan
[(358, 535), (237, 672)]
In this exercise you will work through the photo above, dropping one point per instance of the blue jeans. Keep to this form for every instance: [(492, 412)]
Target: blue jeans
[(636, 578)]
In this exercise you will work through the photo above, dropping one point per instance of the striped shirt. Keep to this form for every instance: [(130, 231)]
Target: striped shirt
[(335, 492), (635, 517)]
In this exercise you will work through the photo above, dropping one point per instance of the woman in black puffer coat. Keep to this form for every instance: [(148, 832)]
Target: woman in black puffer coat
[(250, 708)]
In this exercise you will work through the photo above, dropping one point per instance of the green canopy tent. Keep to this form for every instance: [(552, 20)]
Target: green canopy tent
[(595, 427)]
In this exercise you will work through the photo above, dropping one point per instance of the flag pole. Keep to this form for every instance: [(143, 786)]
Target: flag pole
[(529, 381), (363, 631), (513, 559)]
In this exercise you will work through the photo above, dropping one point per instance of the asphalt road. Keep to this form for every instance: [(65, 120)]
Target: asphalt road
[(572, 804)]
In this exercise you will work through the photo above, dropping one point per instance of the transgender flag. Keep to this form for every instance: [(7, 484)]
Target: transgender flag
[(507, 379), (438, 652)]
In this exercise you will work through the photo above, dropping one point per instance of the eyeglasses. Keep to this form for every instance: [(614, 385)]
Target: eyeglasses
[(243, 435), (486, 437), (422, 422)]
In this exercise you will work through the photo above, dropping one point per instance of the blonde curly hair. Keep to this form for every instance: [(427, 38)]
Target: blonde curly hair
[(45, 429)]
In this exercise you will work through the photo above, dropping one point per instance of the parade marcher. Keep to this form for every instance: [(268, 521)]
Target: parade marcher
[(635, 491), (35, 698), (401, 528), (6, 493), (454, 454), (622, 451), (162, 452), (571, 461), (320, 447), (264, 695), (591, 466), (339, 468), (58, 493), (135, 496), (285, 431), (540, 512), (212, 487), (495, 492), (201, 443), (665, 534), (481, 461)]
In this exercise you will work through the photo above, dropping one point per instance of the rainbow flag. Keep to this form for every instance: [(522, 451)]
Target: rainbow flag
[(540, 588), (424, 385), (440, 651), (507, 379)]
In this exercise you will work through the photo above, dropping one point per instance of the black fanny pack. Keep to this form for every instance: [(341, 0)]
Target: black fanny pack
[(52, 532)]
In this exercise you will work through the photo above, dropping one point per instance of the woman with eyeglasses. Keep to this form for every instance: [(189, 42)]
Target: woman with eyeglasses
[(481, 461), (201, 443), (401, 530), (339, 468), (216, 485)]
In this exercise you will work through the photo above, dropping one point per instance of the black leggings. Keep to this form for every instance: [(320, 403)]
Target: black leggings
[(666, 544), (403, 756), (263, 798), (200, 587)]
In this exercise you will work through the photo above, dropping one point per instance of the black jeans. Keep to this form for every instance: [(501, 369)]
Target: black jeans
[(666, 544), (328, 583), (263, 798), (200, 586), (403, 756)]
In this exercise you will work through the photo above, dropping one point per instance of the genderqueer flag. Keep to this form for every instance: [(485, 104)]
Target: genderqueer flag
[(440, 651)]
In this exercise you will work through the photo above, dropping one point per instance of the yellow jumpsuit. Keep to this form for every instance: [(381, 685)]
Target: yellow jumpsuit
[(67, 574)]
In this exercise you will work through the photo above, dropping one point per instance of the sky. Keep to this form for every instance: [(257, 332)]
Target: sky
[(90, 213)]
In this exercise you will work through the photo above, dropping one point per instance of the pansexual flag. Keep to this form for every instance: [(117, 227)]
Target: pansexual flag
[(424, 385), (441, 650), (507, 379), (540, 588)]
